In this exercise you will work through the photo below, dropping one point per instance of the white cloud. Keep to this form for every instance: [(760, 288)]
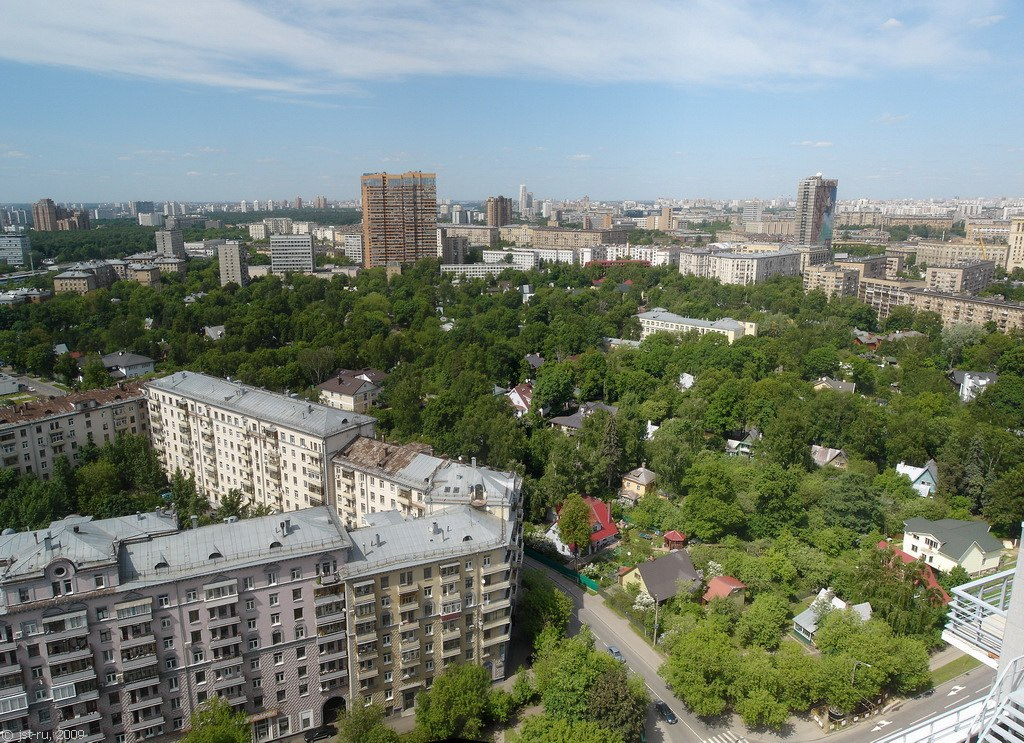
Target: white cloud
[(14, 155), (892, 23), (193, 173), (580, 157), (989, 20), (812, 143), (888, 118), (293, 48)]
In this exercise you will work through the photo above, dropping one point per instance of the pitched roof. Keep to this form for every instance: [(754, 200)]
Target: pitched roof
[(535, 360), (662, 575), (30, 411), (585, 411), (349, 382), (957, 376), (660, 314), (642, 475), (675, 536), (836, 384), (600, 516), (125, 358), (929, 574), (525, 393), (915, 473), (955, 537), (722, 586), (822, 455)]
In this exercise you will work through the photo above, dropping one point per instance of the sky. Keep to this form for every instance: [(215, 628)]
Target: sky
[(721, 99)]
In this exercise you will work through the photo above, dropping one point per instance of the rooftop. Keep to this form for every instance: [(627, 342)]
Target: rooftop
[(30, 411), (272, 407), (955, 537), (660, 314)]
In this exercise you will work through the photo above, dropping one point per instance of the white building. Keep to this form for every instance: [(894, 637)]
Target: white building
[(14, 249), (739, 268), (353, 247), (274, 448), (291, 253), (660, 320), (946, 543)]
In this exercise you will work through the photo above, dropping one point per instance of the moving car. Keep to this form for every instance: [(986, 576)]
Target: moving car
[(666, 713), (320, 733), (615, 653)]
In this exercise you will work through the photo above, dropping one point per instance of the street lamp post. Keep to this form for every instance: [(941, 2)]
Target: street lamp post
[(656, 607)]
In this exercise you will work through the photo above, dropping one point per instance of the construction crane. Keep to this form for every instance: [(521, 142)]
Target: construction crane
[(981, 240)]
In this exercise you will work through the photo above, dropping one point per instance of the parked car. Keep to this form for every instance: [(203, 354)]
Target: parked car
[(321, 733), (615, 653), (666, 713)]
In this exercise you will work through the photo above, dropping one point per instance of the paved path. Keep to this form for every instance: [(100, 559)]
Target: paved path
[(41, 387)]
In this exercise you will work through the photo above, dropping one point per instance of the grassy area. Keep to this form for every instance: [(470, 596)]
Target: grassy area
[(17, 397), (954, 668)]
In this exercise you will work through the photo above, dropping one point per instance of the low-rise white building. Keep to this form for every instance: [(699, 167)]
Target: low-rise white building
[(660, 320), (946, 543)]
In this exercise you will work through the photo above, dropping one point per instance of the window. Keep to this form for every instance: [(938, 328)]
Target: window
[(200, 677), (198, 656), (201, 696), (37, 672), (168, 643), (193, 616), (274, 599), (250, 604), (300, 632), (277, 638), (275, 619), (254, 643), (427, 573), (272, 578), (172, 683), (301, 670), (176, 703), (279, 677), (163, 601), (165, 623), (105, 635), (191, 594), (251, 624), (111, 678), (296, 594), (303, 690), (196, 636), (278, 659), (297, 613), (296, 573), (249, 584), (469, 564), (100, 581), (171, 663), (254, 664), (387, 677), (23, 596), (44, 715)]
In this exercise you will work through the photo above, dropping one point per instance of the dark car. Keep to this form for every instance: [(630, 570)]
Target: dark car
[(321, 733), (666, 713), (615, 653)]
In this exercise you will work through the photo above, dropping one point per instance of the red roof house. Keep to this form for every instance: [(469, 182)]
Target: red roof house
[(603, 530), (929, 574), (675, 540), (724, 587)]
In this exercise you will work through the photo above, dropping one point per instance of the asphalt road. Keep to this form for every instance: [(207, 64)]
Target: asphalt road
[(40, 387), (610, 629)]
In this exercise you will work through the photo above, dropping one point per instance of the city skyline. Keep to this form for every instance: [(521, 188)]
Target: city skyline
[(677, 100)]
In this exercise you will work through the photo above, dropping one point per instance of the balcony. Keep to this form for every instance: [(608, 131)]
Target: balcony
[(494, 639), (69, 655), (367, 673), (152, 700), (136, 682), (223, 621), (334, 630), (334, 673), (140, 661), (137, 640), (74, 676), (82, 719), (977, 616), (223, 663), (367, 635), (14, 706), (326, 617), (145, 723), (225, 641), (225, 682), (328, 654), (452, 633)]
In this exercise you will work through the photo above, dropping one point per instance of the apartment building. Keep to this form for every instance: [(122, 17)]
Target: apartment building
[(743, 268), (815, 210), (476, 234), (476, 270), (660, 320), (34, 435), (834, 281), (372, 476), (991, 230), (233, 260), (868, 266), (498, 211), (399, 217), (884, 294), (170, 243), (291, 253), (947, 254), (1015, 245), (274, 448), (964, 309), (14, 249), (119, 629), (558, 237), (968, 277)]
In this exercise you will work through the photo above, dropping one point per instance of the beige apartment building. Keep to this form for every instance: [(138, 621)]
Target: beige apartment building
[(34, 435), (962, 309), (1015, 246), (660, 320), (557, 237), (966, 277), (868, 267), (834, 281), (989, 230), (273, 448), (947, 254), (476, 234), (741, 266), (884, 294)]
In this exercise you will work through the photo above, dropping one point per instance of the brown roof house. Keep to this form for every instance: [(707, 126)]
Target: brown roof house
[(663, 578), (637, 484), (352, 390)]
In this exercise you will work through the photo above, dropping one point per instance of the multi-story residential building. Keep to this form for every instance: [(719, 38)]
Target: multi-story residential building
[(291, 253), (476, 270), (660, 320), (450, 248), (399, 217), (120, 629), (731, 267), (968, 277), (279, 226), (34, 435), (372, 476), (884, 294), (89, 275), (947, 254), (867, 266), (44, 216), (894, 264), (274, 448), (1015, 245), (352, 390), (964, 309), (993, 230), (170, 243), (815, 210), (258, 231), (14, 249), (559, 237), (124, 365), (233, 258), (476, 234), (835, 281), (499, 211), (353, 247)]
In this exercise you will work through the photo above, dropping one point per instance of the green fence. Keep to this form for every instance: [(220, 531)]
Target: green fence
[(559, 567)]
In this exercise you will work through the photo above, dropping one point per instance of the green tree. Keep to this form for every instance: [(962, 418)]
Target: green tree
[(216, 722), (574, 527), (777, 504), (619, 703), (547, 728), (701, 669), (1005, 508), (542, 603), (553, 388), (456, 705), (364, 725), (566, 670), (763, 621)]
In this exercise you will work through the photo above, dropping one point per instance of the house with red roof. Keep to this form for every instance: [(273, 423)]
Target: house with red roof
[(675, 540), (725, 587), (521, 397), (603, 530), (929, 574)]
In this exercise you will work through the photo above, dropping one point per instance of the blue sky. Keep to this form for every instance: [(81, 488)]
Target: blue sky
[(225, 99)]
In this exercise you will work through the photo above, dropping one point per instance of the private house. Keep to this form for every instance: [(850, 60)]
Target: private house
[(603, 530), (922, 479), (946, 543), (535, 361), (214, 332), (823, 456), (651, 430), (663, 578), (125, 365), (570, 424), (521, 397), (675, 540), (636, 484), (836, 385), (971, 384), (725, 587), (929, 573), (743, 447), (352, 390), (805, 624)]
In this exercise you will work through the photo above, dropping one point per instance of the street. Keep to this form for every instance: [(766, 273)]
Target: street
[(40, 388), (611, 629)]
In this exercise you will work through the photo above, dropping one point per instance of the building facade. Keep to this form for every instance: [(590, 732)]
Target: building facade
[(34, 435), (233, 258), (291, 253), (170, 243), (964, 309), (44, 216), (948, 254), (835, 281), (968, 277), (815, 210), (498, 211), (1015, 244), (274, 448), (399, 217), (14, 249), (118, 630), (660, 320), (732, 267)]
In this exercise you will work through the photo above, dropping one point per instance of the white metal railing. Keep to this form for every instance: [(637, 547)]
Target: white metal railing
[(977, 616)]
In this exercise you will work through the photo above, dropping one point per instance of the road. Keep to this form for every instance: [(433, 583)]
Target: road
[(611, 629), (41, 387)]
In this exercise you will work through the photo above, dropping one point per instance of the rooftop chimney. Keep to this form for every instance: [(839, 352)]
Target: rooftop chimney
[(195, 521), (473, 461)]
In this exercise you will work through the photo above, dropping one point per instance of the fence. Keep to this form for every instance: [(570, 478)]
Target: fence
[(560, 568)]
